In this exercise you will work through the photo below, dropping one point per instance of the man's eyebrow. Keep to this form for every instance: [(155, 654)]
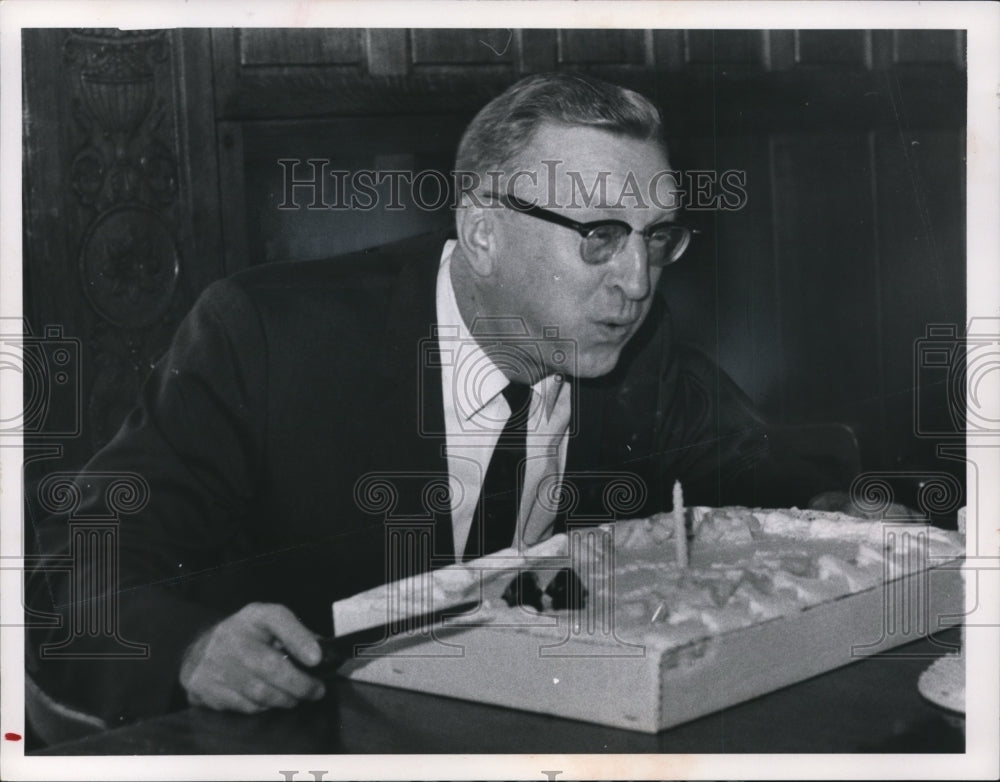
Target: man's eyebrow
[(666, 217), (597, 213), (615, 216)]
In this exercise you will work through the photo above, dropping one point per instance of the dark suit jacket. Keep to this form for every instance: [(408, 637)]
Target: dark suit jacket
[(284, 387)]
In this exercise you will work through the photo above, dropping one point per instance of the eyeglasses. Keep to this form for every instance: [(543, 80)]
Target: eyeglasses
[(603, 239)]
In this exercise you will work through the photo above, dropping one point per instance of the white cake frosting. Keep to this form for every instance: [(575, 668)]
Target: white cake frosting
[(746, 566), (659, 643)]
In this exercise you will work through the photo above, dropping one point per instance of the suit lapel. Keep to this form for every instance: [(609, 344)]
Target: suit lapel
[(411, 449)]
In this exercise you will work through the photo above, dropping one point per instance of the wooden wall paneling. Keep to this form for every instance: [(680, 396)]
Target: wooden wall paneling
[(691, 286), (537, 50), (776, 202), (232, 196), (751, 313), (43, 150), (388, 51), (921, 48), (609, 47), (225, 68), (199, 164), (136, 248), (827, 268), (722, 294), (247, 91), (724, 47), (386, 83), (348, 145), (456, 70), (833, 47), (52, 433), (466, 46), (805, 100), (928, 46), (920, 200), (51, 293), (285, 46), (779, 54), (882, 42), (119, 270), (668, 50)]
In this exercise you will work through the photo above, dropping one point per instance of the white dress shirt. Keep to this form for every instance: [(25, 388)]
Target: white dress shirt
[(475, 413)]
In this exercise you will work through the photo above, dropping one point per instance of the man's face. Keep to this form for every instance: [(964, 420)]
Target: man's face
[(540, 275)]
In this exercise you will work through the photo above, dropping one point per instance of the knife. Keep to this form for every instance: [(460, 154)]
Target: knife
[(338, 650)]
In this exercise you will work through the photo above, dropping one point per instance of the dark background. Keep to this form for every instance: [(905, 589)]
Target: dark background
[(150, 169)]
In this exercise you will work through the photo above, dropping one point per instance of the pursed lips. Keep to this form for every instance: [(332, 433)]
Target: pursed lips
[(619, 321), (622, 318), (616, 328)]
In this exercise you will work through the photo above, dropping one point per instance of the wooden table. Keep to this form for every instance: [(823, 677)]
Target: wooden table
[(868, 706)]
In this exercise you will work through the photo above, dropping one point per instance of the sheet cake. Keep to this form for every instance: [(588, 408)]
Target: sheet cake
[(769, 597)]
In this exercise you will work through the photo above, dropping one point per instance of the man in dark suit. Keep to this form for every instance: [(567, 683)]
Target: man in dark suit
[(296, 398)]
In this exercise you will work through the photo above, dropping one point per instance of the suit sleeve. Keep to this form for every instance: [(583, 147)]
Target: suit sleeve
[(720, 445), (194, 443)]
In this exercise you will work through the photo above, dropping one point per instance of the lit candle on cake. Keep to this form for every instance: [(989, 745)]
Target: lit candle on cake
[(680, 532)]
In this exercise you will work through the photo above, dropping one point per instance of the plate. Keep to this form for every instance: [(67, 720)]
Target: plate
[(943, 683)]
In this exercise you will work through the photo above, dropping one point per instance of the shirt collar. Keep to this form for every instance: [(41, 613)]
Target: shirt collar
[(476, 380)]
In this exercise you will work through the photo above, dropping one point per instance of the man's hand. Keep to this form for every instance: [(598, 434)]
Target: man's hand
[(244, 662)]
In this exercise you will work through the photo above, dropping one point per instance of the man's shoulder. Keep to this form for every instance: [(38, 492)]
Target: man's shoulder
[(376, 270), (344, 300)]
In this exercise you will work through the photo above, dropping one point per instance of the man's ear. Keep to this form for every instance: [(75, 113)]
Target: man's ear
[(476, 236)]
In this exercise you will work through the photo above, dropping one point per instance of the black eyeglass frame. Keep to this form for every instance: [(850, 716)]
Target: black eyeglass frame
[(586, 229)]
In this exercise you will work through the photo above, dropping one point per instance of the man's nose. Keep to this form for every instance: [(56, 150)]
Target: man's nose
[(630, 268)]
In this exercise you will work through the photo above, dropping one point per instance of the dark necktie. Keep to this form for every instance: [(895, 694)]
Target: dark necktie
[(494, 521)]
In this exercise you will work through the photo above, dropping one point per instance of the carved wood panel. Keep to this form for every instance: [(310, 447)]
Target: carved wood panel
[(109, 175)]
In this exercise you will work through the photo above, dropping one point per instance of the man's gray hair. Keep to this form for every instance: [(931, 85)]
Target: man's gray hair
[(506, 125)]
